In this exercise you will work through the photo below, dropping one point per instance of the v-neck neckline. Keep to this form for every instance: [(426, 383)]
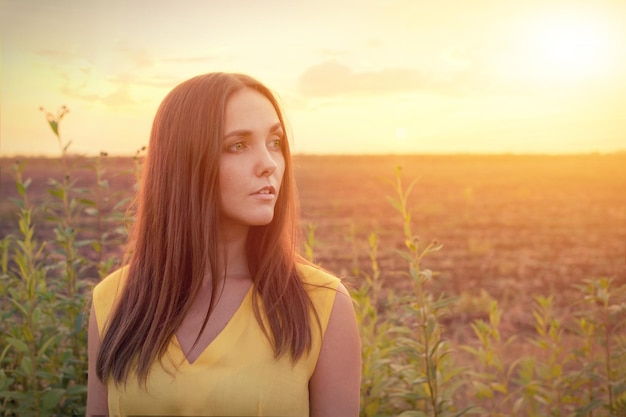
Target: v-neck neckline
[(221, 337)]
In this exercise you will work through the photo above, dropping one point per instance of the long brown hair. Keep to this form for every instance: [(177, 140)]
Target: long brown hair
[(176, 235)]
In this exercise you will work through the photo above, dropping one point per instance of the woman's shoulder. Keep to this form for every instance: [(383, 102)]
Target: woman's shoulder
[(106, 295), (314, 275), (111, 285)]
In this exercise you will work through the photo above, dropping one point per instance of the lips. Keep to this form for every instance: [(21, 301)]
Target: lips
[(268, 190)]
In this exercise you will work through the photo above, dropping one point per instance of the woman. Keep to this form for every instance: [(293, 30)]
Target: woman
[(215, 313)]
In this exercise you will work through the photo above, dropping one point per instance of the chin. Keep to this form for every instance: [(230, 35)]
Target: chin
[(262, 222), (258, 218), (261, 219)]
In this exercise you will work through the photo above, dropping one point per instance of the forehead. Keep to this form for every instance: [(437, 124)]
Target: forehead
[(248, 107)]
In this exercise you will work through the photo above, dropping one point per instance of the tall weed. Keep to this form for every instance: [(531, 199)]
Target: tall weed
[(45, 285), (378, 379), (408, 369)]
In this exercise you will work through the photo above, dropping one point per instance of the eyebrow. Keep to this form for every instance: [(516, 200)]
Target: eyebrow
[(247, 133)]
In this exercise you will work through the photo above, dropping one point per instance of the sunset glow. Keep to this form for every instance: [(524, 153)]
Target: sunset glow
[(568, 49), (402, 133), (399, 76)]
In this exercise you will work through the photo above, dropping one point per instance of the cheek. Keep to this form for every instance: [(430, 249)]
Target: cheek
[(280, 170), (228, 184)]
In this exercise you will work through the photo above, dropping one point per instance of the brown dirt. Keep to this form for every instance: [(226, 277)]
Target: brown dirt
[(514, 226)]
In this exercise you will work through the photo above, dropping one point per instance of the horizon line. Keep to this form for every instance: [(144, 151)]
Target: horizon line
[(337, 154)]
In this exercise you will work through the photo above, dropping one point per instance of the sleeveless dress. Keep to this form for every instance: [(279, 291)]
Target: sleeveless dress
[(236, 375)]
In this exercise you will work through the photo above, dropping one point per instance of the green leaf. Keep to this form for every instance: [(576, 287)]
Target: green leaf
[(430, 326), (52, 398), (45, 346), (372, 408), (57, 192), (4, 380), (79, 323), (519, 405), (460, 413), (496, 386), (420, 380), (406, 256), (395, 203), (121, 203), (36, 315), (589, 407), (96, 246), (19, 203), (410, 187), (413, 413), (19, 307), (27, 365), (87, 202), (20, 188), (54, 126), (4, 353), (28, 334), (67, 145), (17, 344), (81, 243), (76, 390), (436, 349), (482, 390)]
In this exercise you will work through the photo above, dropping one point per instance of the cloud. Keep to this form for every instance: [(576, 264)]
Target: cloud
[(80, 85), (143, 80), (56, 54), (137, 57), (157, 81), (332, 79), (119, 97)]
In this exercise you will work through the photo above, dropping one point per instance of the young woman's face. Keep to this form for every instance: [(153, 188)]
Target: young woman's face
[(252, 162)]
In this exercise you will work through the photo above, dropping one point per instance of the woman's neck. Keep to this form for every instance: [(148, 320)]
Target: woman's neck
[(233, 252)]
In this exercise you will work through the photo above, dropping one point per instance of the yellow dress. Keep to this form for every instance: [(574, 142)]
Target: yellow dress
[(236, 375)]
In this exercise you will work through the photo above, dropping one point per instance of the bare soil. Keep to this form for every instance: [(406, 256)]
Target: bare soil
[(513, 226)]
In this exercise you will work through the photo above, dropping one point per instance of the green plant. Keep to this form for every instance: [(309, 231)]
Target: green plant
[(45, 285), (602, 374), (489, 379), (589, 379), (429, 376), (32, 340), (552, 389), (67, 260), (377, 339)]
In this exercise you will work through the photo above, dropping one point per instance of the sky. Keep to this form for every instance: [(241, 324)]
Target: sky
[(352, 76)]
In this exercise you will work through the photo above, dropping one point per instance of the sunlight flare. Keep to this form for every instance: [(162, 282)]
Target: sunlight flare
[(566, 48), (402, 133)]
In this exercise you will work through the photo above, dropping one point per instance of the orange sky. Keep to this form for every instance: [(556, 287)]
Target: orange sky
[(354, 76)]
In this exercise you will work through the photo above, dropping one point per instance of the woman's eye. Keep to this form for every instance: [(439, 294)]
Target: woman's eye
[(237, 147), (276, 143)]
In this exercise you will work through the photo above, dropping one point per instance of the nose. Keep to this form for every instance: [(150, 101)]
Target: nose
[(266, 163)]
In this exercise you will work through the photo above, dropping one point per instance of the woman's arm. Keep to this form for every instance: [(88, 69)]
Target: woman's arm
[(335, 384), (97, 399)]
